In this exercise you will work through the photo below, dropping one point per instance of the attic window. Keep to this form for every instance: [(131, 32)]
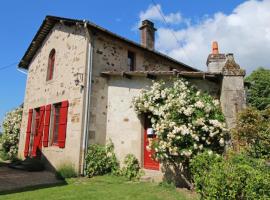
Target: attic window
[(131, 61), (51, 62)]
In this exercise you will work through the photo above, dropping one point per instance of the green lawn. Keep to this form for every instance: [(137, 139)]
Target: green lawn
[(105, 187)]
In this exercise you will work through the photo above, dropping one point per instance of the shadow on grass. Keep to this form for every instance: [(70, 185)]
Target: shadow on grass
[(32, 188), (24, 173)]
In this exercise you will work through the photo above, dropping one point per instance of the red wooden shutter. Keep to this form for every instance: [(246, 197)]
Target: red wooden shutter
[(38, 138), (62, 124), (28, 133), (47, 125)]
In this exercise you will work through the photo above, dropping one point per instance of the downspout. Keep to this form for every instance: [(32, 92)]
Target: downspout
[(88, 97)]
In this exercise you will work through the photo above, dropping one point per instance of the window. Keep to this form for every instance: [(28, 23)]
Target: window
[(131, 61), (55, 123), (51, 62), (46, 123)]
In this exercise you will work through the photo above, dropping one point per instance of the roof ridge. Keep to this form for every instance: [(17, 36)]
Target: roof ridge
[(49, 22)]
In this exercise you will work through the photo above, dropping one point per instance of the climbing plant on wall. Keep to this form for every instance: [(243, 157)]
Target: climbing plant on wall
[(185, 120)]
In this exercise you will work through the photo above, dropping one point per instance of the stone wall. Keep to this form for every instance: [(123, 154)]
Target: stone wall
[(124, 127), (232, 95), (70, 58), (232, 98)]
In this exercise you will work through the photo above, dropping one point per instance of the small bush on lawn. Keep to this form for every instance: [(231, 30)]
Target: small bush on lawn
[(101, 160), (131, 168), (66, 171), (237, 177)]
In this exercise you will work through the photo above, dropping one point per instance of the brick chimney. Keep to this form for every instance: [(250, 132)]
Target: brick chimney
[(215, 61), (148, 34)]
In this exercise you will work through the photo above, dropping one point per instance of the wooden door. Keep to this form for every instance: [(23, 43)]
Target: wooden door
[(149, 163)]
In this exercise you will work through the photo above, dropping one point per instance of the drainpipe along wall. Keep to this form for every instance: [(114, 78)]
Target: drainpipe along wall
[(87, 98)]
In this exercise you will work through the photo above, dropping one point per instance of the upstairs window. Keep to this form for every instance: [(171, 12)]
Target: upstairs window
[(51, 62), (131, 61)]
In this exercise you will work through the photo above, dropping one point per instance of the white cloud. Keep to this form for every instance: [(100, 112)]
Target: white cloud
[(244, 32), (153, 13)]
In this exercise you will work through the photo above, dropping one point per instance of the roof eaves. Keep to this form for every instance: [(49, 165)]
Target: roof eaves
[(187, 74)]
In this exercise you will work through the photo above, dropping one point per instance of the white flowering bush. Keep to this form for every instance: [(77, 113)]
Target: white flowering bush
[(185, 120), (10, 133)]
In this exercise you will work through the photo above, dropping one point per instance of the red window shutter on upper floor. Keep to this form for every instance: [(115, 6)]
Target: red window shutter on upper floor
[(38, 137), (62, 124), (28, 133), (47, 126)]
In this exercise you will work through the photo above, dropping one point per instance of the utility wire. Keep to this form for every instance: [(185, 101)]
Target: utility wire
[(8, 66), (169, 27)]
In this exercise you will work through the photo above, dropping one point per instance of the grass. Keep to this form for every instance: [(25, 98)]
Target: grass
[(102, 187)]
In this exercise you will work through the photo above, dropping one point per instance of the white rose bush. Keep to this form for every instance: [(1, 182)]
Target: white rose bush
[(10, 133), (185, 121)]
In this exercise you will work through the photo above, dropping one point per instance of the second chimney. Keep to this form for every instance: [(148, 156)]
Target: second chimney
[(148, 34)]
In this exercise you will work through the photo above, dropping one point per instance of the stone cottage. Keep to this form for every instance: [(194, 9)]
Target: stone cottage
[(81, 81)]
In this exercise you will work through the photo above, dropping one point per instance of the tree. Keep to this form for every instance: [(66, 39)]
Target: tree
[(10, 133), (258, 94), (186, 122)]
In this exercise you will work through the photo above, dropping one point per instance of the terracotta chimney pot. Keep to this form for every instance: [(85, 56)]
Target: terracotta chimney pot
[(215, 48)]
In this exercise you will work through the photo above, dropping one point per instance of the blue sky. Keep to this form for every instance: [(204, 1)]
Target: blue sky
[(21, 19)]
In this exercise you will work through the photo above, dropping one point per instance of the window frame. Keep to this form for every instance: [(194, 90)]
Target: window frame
[(51, 65)]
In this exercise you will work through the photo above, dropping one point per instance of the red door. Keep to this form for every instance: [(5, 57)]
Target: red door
[(149, 163)]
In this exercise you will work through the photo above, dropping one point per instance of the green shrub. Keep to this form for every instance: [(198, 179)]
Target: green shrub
[(66, 171), (252, 132), (237, 177), (131, 168), (200, 167), (258, 186), (3, 155), (101, 160)]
